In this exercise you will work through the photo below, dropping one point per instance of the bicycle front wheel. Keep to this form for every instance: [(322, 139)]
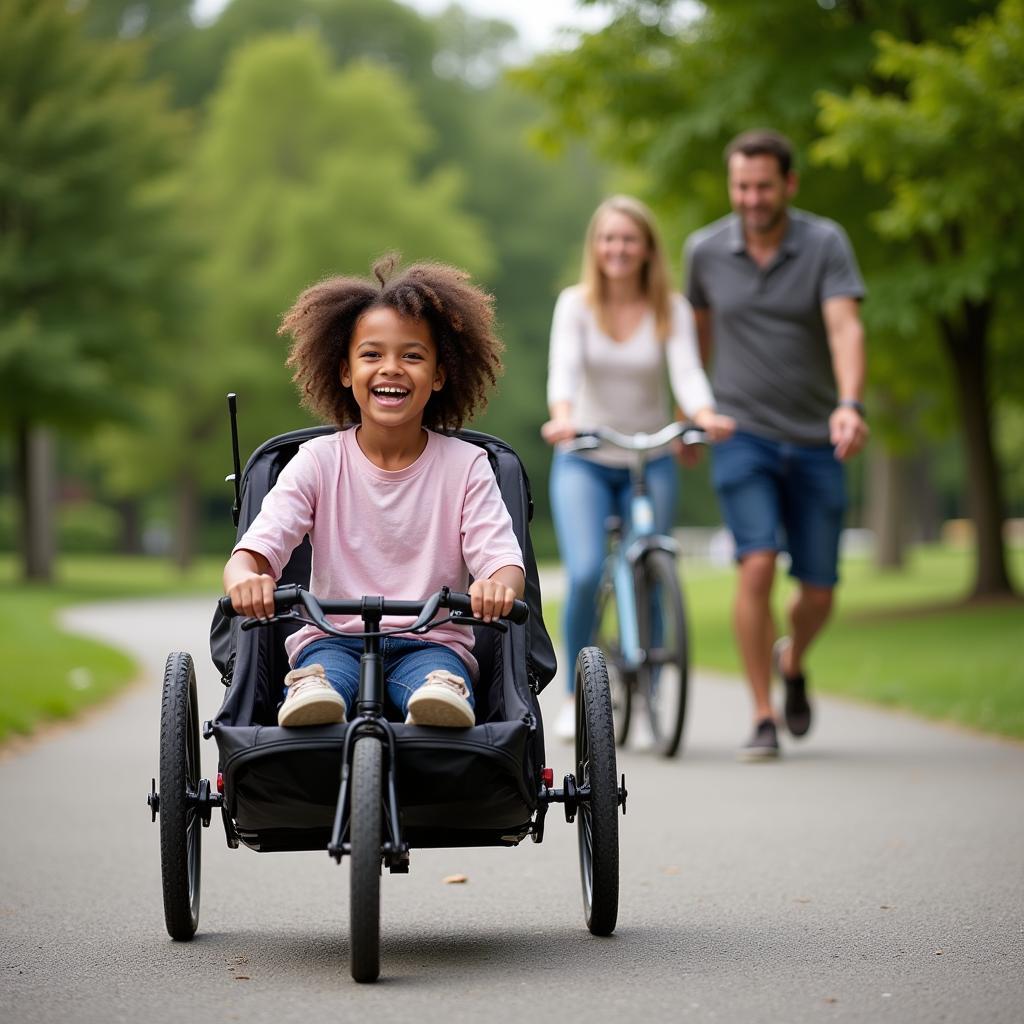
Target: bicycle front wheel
[(663, 676), (366, 834)]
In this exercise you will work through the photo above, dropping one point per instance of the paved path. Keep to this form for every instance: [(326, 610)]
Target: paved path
[(875, 874)]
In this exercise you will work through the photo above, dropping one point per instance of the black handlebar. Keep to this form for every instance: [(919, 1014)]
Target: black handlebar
[(286, 598)]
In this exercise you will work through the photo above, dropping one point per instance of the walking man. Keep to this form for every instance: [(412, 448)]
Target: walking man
[(776, 295)]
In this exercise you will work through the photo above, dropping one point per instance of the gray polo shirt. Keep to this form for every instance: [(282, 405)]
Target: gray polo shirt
[(772, 364)]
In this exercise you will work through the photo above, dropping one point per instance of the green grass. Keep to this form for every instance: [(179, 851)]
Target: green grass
[(905, 640), (49, 675)]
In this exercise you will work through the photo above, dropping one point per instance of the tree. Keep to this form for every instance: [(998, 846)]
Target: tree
[(87, 242), (946, 150)]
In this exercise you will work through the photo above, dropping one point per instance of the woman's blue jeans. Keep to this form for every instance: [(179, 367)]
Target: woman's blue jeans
[(584, 494)]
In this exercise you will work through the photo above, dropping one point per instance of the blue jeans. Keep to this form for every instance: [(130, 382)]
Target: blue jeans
[(584, 494), (406, 661), (783, 497)]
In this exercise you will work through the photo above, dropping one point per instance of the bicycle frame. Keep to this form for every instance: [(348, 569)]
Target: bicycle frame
[(626, 551)]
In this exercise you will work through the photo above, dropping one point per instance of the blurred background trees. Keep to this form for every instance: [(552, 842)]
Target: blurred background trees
[(88, 244), (167, 187), (321, 134)]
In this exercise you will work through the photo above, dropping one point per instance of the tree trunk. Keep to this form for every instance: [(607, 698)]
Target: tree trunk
[(35, 471), (887, 506), (129, 513), (966, 343), (926, 517), (187, 519)]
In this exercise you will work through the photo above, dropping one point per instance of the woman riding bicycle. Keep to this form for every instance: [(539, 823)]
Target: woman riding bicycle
[(614, 337), (389, 503)]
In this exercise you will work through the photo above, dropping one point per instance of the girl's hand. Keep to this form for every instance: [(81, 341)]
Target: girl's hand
[(559, 429), (716, 426), (253, 595), (492, 598), (249, 584)]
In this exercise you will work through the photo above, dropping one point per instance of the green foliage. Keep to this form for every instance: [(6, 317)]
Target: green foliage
[(536, 210), (303, 172), (81, 526), (86, 233), (946, 150)]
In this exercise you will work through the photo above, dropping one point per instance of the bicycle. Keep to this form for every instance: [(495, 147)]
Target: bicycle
[(641, 614)]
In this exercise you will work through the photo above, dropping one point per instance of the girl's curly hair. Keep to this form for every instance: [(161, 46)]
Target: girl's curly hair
[(461, 322)]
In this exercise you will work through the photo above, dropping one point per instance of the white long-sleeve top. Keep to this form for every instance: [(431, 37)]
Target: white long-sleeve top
[(621, 384)]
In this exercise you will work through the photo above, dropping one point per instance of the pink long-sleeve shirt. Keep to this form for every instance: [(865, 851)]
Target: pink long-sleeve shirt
[(401, 534)]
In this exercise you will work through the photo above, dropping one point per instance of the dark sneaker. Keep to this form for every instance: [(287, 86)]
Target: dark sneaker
[(763, 745), (796, 708)]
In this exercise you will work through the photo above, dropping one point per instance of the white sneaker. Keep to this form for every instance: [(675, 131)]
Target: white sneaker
[(310, 700), (565, 724), (442, 700)]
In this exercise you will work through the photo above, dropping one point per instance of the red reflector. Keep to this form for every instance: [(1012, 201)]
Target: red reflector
[(547, 776), (220, 782)]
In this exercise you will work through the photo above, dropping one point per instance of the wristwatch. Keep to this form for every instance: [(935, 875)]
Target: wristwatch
[(852, 403)]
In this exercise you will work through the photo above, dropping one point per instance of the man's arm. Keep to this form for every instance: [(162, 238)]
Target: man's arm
[(849, 432)]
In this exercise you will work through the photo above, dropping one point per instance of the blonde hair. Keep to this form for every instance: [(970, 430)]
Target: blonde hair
[(654, 276)]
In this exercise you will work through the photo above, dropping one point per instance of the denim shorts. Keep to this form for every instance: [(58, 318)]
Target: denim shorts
[(776, 496), (407, 662)]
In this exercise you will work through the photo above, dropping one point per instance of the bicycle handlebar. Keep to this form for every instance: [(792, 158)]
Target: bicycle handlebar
[(640, 442), (286, 598)]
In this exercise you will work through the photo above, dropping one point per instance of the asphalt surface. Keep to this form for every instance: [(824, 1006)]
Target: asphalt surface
[(875, 873)]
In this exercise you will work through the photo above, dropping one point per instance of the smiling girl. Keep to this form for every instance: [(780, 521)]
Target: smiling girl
[(392, 505)]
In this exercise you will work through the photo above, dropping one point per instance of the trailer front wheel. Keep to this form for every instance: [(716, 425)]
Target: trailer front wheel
[(180, 822)]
